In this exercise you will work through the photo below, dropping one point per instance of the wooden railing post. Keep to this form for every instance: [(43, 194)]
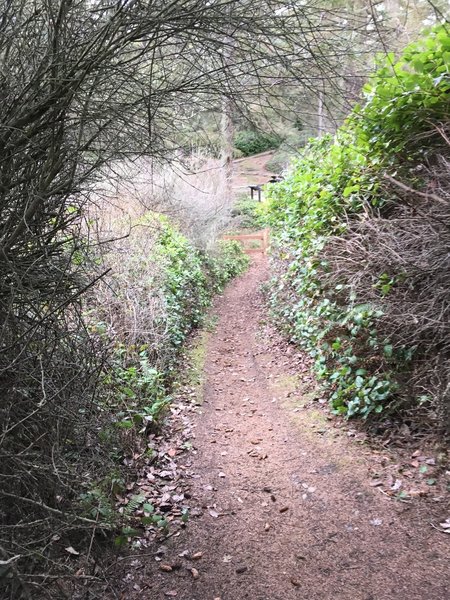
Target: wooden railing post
[(262, 236)]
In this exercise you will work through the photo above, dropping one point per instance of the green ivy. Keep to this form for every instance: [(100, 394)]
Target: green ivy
[(337, 179)]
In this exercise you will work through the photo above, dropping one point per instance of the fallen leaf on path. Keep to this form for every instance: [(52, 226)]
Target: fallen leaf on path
[(213, 513), (72, 551), (197, 555), (376, 483), (166, 568)]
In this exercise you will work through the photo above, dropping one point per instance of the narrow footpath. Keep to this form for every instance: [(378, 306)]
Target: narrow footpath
[(286, 509)]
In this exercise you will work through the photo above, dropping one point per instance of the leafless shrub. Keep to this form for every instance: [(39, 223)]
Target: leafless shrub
[(129, 298)]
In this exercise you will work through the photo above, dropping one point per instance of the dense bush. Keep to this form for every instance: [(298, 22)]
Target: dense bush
[(154, 298), (157, 288), (246, 213), (361, 270), (253, 142)]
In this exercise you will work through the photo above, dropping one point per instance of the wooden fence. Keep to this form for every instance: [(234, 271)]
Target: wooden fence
[(253, 243)]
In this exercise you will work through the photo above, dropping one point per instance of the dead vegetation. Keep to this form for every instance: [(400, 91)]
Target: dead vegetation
[(408, 244)]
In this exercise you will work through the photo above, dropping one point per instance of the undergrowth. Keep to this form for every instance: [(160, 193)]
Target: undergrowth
[(360, 229), (254, 142), (138, 379)]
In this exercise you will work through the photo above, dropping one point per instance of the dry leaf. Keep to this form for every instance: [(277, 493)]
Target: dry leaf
[(72, 551)]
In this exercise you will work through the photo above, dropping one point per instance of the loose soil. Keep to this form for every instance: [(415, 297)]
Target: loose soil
[(283, 504)]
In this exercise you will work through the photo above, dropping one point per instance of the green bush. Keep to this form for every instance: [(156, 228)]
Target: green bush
[(337, 182), (247, 212), (254, 142), (227, 261), (185, 280)]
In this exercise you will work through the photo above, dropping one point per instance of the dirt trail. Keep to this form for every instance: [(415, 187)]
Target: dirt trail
[(287, 510), (251, 170)]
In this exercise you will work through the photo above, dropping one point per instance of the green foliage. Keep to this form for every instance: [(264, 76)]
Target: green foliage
[(184, 284), (140, 378), (226, 262), (293, 141), (334, 181), (404, 97), (139, 390), (253, 142), (248, 213)]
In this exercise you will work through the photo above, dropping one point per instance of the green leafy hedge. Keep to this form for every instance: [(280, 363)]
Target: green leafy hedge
[(337, 181), (253, 142)]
